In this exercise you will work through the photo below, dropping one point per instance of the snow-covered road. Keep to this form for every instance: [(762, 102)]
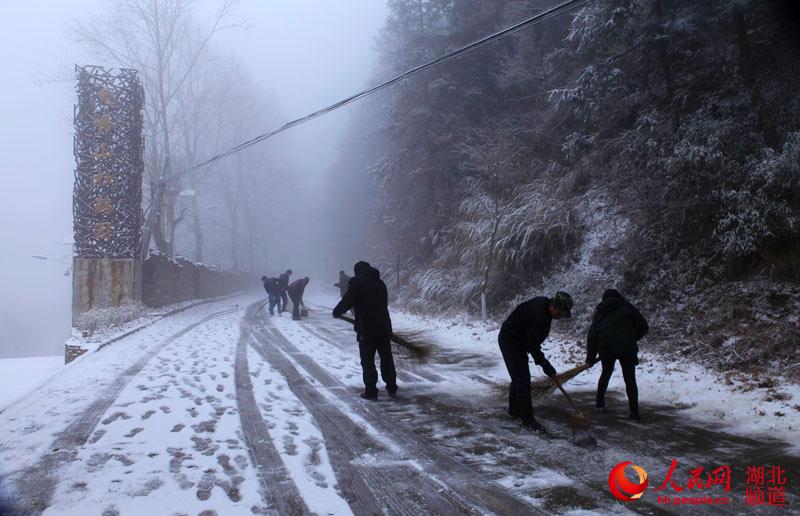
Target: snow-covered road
[(222, 409)]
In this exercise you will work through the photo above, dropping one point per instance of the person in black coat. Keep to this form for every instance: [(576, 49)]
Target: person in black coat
[(366, 295), (273, 292), (296, 290), (523, 333), (283, 284), (616, 328)]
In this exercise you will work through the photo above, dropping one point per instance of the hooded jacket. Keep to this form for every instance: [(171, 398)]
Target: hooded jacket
[(366, 295), (616, 327)]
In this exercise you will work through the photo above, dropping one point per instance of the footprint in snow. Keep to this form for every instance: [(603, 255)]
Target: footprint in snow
[(133, 432), (113, 417)]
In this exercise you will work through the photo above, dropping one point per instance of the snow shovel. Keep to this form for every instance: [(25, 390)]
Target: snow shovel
[(580, 420)]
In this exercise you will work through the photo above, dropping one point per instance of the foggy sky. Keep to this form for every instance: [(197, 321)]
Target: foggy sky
[(308, 53)]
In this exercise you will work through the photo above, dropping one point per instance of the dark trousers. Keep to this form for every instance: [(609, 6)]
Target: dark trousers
[(367, 349), (628, 364), (519, 394), (284, 301), (296, 300), (273, 302)]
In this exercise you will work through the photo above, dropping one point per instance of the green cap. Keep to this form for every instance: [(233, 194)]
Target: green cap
[(563, 303)]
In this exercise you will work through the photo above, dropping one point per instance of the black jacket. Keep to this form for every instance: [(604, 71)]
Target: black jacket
[(616, 327), (528, 326), (283, 282), (271, 286), (366, 295)]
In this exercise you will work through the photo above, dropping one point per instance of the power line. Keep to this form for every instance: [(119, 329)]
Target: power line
[(524, 24)]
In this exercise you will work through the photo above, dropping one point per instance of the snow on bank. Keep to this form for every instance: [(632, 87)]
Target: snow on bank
[(23, 375), (112, 324), (734, 404)]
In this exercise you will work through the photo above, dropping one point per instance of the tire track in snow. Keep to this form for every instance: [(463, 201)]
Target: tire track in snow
[(341, 438), (277, 488), (37, 484), (451, 487)]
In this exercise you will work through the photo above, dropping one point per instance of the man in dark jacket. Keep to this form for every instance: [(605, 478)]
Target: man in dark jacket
[(271, 286), (523, 333), (283, 284), (296, 290), (366, 295), (616, 328)]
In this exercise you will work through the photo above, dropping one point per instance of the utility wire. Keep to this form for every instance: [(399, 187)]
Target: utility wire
[(524, 24)]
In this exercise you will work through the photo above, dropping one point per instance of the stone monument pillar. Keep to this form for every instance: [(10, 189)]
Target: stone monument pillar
[(107, 198)]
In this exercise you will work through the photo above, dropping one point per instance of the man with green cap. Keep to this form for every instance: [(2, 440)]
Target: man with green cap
[(523, 333)]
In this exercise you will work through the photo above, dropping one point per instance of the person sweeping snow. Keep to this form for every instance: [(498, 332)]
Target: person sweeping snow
[(616, 328), (523, 333), (296, 289), (273, 293), (366, 295)]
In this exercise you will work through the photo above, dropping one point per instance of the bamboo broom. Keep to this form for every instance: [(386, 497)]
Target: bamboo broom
[(408, 340)]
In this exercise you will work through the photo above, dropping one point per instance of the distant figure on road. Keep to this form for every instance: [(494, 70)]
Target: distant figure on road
[(523, 332), (273, 292), (283, 284), (616, 328), (366, 295), (344, 279), (296, 290)]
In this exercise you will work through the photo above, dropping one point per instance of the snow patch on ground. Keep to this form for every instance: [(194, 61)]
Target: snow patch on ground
[(730, 403), (177, 429), (24, 375), (297, 437), (24, 437)]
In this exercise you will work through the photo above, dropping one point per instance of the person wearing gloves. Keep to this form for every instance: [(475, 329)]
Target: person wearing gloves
[(523, 333)]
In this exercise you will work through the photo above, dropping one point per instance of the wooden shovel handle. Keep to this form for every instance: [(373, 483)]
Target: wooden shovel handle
[(558, 384)]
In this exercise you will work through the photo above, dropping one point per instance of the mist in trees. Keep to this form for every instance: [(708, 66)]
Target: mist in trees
[(199, 102), (649, 145)]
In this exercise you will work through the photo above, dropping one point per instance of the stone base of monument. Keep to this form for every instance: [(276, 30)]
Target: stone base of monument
[(104, 283)]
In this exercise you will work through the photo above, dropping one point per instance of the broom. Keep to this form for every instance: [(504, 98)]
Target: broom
[(409, 340), (546, 385)]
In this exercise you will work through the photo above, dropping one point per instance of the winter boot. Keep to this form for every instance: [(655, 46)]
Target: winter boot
[(371, 396), (636, 417), (532, 424)]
